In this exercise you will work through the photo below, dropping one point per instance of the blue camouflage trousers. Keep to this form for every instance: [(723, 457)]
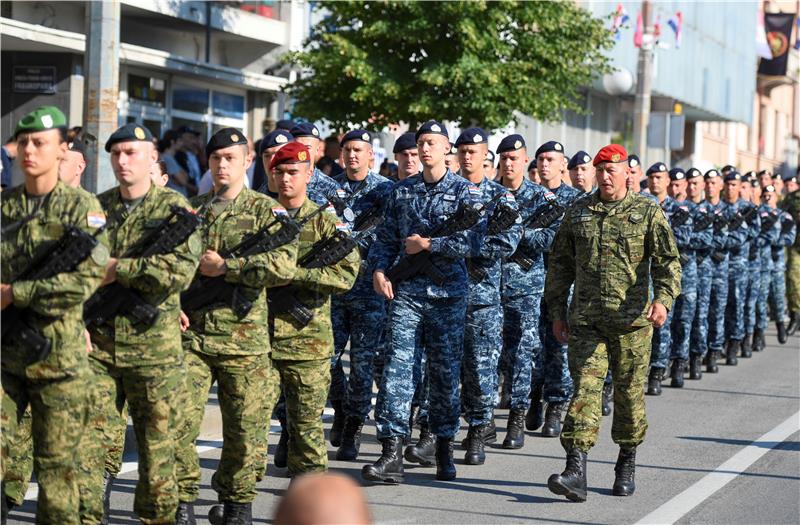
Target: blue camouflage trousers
[(752, 291), (717, 304), (762, 311), (699, 336), (737, 295), (482, 344), (422, 385), (360, 321), (684, 311), (661, 343), (522, 347), (555, 365), (438, 326), (777, 292)]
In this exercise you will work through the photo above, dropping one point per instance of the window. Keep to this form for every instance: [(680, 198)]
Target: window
[(227, 105), (147, 89), (191, 99)]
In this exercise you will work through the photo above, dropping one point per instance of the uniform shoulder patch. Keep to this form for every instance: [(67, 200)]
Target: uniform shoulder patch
[(474, 190), (342, 227), (331, 209), (449, 197), (279, 210), (636, 218), (95, 219), (550, 196)]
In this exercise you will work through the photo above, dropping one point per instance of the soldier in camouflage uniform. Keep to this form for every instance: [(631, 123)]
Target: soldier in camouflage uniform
[(791, 205), (301, 351), (35, 215), (551, 380), (777, 285), (359, 316), (231, 349), (127, 362), (611, 246), (321, 188), (751, 192), (769, 235), (521, 287), (483, 328), (422, 312)]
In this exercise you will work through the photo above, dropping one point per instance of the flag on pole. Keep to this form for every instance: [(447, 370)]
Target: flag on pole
[(675, 22), (620, 18), (638, 35), (762, 47)]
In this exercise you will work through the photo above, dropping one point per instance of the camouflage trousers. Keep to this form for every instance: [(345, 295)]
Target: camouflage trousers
[(18, 460), (522, 348), (717, 304), (752, 292), (777, 292), (557, 382), (58, 420), (762, 306), (482, 344), (699, 339), (422, 385), (305, 385), (150, 395), (360, 321), (272, 391), (661, 344), (684, 310), (437, 325), (240, 389), (738, 276), (793, 278), (591, 349)]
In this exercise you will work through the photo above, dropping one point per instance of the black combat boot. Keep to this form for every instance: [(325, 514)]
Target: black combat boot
[(476, 454), (654, 381), (282, 450), (445, 468), (338, 423), (515, 431), (351, 439), (624, 484), (678, 366), (783, 334), (231, 514), (759, 344), (608, 396), (489, 435), (389, 467), (572, 482), (711, 364), (746, 346), (424, 451), (185, 514), (731, 351), (535, 416), (794, 322), (552, 419), (695, 366), (108, 482)]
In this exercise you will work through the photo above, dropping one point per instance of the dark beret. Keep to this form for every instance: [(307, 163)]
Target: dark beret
[(361, 135), (693, 173), (225, 138), (404, 142), (129, 133), (434, 127), (277, 137), (677, 174), (551, 145), (579, 158), (305, 129), (511, 143), (472, 136), (656, 168)]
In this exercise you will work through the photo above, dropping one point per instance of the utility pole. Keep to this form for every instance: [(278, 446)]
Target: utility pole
[(644, 84), (101, 64)]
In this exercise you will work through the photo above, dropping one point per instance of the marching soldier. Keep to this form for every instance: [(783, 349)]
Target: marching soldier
[(791, 205), (406, 155)]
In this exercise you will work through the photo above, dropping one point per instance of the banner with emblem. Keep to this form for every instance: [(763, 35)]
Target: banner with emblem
[(778, 28)]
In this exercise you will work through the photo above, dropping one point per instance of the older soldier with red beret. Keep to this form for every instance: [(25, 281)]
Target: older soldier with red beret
[(611, 246)]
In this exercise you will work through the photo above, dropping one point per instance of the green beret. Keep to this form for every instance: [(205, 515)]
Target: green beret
[(225, 138), (41, 119), (129, 133)]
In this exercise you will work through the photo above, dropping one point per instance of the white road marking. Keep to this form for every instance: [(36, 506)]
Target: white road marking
[(683, 503)]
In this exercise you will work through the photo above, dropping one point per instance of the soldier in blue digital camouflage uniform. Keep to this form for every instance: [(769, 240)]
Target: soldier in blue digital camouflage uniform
[(708, 220), (321, 188), (522, 286), (679, 218), (358, 316), (483, 328), (751, 192), (422, 311), (741, 234), (769, 236), (685, 307), (553, 372), (777, 285)]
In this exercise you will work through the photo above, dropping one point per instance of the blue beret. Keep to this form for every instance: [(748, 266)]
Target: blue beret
[(728, 167), (404, 142), (129, 133), (490, 156), (633, 161), (749, 176), (656, 168), (732, 176), (285, 124), (434, 127), (511, 143), (305, 129), (225, 138), (710, 174), (472, 136), (789, 177), (357, 134), (277, 137), (579, 158), (548, 146), (677, 174), (693, 173), (769, 188)]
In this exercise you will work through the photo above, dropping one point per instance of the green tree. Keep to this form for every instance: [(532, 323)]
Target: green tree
[(473, 62)]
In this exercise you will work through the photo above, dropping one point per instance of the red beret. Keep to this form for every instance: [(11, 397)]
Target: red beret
[(611, 153), (291, 153)]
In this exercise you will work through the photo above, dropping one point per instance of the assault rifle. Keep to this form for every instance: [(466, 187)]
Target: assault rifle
[(205, 291), (679, 218), (768, 222), (114, 299), (740, 218), (704, 222), (502, 218), (541, 219)]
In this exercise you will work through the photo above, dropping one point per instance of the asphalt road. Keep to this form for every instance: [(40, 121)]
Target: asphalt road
[(723, 450)]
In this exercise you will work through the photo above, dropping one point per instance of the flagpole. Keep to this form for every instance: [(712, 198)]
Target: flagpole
[(644, 84)]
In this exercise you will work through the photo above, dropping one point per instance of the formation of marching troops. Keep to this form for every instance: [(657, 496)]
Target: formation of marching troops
[(459, 288)]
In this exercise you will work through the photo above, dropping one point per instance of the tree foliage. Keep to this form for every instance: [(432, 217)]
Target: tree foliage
[(473, 62)]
